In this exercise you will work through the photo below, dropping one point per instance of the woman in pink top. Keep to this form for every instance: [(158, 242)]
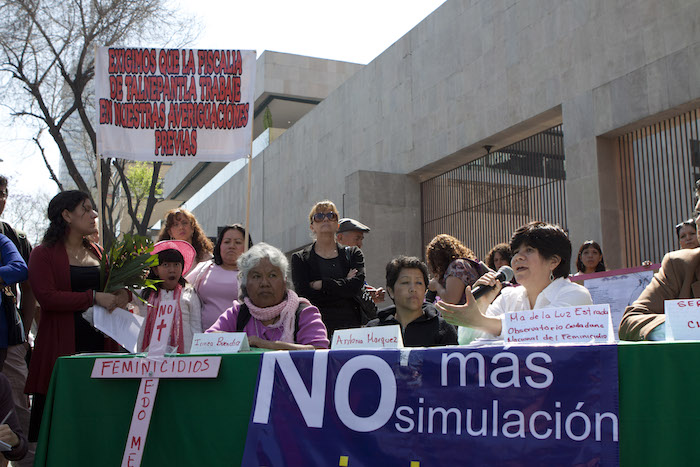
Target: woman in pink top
[(216, 280), (269, 311)]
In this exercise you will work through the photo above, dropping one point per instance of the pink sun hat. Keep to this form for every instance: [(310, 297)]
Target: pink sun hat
[(186, 250)]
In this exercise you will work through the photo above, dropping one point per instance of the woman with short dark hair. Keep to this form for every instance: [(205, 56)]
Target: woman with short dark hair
[(687, 233), (421, 325), (541, 262)]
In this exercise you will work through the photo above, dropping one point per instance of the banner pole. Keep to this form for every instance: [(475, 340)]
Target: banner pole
[(101, 203), (98, 175), (247, 204)]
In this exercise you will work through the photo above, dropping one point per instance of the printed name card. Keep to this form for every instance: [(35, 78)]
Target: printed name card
[(220, 342), (682, 319), (380, 337), (560, 325)]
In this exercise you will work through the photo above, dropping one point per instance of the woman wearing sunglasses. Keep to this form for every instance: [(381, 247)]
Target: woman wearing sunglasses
[(327, 274)]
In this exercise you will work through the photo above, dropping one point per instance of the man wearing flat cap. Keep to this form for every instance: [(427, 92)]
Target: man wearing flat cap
[(352, 233)]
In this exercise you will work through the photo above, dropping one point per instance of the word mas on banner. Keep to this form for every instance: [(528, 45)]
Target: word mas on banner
[(175, 93)]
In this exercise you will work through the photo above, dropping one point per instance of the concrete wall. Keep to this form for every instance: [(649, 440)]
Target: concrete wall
[(276, 74), (476, 73), (297, 76)]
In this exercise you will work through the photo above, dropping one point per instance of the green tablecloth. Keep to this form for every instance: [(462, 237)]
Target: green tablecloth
[(659, 408), (194, 422), (204, 422)]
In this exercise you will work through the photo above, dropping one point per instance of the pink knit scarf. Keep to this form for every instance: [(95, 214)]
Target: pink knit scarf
[(286, 310)]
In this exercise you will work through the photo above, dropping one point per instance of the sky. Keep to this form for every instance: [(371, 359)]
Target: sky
[(354, 31)]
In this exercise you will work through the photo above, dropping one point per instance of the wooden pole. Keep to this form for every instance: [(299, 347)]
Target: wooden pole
[(247, 204), (100, 203), (100, 199)]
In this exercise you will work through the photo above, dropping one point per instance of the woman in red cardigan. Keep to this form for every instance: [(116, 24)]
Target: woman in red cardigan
[(64, 274)]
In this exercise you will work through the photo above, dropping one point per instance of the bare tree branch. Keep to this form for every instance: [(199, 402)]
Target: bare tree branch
[(47, 50), (54, 177)]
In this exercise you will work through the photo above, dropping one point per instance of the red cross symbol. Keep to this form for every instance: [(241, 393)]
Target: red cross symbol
[(160, 327)]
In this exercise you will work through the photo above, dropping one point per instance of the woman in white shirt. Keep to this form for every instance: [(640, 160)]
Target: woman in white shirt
[(541, 262)]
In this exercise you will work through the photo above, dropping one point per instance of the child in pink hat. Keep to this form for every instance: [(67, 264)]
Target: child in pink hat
[(174, 257)]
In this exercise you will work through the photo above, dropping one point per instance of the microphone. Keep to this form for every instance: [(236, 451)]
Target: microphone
[(505, 274)]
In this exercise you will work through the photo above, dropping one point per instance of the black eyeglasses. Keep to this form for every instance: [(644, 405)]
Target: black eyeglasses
[(320, 216)]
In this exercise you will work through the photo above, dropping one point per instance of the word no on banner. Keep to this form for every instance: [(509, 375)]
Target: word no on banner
[(161, 104)]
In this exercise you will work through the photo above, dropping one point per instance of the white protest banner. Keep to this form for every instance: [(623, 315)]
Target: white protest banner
[(165, 104), (219, 342), (380, 337), (682, 319), (559, 325)]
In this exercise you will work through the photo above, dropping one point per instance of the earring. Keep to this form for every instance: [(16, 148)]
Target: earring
[(551, 276)]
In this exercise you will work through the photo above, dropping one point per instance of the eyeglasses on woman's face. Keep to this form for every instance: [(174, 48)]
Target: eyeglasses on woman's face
[(320, 216)]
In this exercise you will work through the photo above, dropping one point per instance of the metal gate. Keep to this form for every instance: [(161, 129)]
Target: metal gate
[(659, 165), (483, 202)]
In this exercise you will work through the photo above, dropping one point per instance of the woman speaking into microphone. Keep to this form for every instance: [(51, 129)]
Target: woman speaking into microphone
[(541, 262)]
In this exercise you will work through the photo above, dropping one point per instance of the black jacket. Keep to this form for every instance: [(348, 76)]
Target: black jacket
[(429, 330), (305, 269), (336, 300)]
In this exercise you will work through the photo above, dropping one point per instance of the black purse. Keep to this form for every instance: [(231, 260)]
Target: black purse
[(15, 327)]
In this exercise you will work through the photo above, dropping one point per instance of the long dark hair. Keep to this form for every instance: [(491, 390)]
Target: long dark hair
[(590, 244), (58, 227), (217, 248)]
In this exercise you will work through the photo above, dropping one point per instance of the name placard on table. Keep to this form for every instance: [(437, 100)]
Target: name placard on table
[(682, 319), (219, 342), (380, 337), (559, 325)]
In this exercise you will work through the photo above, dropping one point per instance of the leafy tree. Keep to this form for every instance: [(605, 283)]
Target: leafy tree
[(47, 52)]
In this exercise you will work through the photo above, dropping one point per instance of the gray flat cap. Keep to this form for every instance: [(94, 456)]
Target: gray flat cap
[(347, 224)]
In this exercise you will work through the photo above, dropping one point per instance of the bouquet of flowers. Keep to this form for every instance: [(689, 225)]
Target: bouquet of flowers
[(127, 263)]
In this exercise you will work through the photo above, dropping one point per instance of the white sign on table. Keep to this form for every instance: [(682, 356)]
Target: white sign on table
[(380, 337), (682, 319), (219, 342), (559, 325)]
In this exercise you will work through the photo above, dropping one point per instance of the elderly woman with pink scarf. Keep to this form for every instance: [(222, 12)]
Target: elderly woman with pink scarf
[(268, 310)]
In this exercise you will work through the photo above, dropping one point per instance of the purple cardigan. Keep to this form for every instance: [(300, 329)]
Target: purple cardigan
[(312, 331)]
